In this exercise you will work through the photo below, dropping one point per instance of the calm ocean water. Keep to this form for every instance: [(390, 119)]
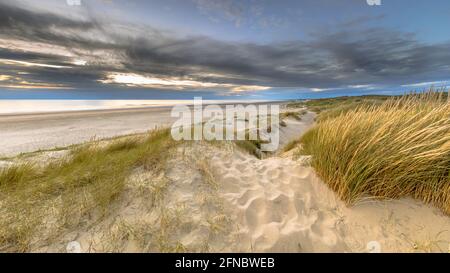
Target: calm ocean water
[(42, 106), (13, 102)]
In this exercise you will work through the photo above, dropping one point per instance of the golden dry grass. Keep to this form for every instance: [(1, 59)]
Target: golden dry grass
[(42, 202), (396, 149)]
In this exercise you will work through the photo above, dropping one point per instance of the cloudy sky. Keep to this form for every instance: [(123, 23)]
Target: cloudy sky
[(221, 48)]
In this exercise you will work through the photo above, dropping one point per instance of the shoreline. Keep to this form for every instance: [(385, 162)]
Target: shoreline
[(32, 132), (131, 108), (23, 133)]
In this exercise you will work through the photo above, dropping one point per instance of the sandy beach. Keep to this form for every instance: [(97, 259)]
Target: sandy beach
[(23, 133), (29, 132)]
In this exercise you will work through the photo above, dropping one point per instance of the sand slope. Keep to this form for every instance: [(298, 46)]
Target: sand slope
[(214, 198), (295, 128), (282, 206), (279, 206)]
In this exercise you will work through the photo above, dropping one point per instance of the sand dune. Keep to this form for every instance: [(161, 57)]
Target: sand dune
[(279, 204), (282, 206), (217, 198)]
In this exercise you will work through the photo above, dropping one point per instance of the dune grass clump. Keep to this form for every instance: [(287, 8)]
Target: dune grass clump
[(293, 114), (42, 201), (397, 149), (253, 147), (291, 145)]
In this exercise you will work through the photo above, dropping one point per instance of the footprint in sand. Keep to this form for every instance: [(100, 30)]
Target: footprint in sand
[(241, 167), (262, 169), (255, 212), (248, 195), (278, 208), (274, 173)]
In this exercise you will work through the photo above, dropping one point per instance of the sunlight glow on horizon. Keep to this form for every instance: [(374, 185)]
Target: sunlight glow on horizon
[(132, 79)]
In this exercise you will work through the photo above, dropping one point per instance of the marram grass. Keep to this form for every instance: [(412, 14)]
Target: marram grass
[(397, 149), (40, 203)]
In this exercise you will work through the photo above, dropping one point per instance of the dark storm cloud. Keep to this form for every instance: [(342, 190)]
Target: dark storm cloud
[(33, 57), (15, 17), (26, 24), (326, 60)]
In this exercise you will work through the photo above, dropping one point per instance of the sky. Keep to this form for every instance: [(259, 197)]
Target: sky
[(252, 49)]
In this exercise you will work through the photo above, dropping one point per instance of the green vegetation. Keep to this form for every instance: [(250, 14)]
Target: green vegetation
[(291, 145), (333, 107), (322, 105), (385, 148), (45, 200), (253, 147), (293, 114)]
